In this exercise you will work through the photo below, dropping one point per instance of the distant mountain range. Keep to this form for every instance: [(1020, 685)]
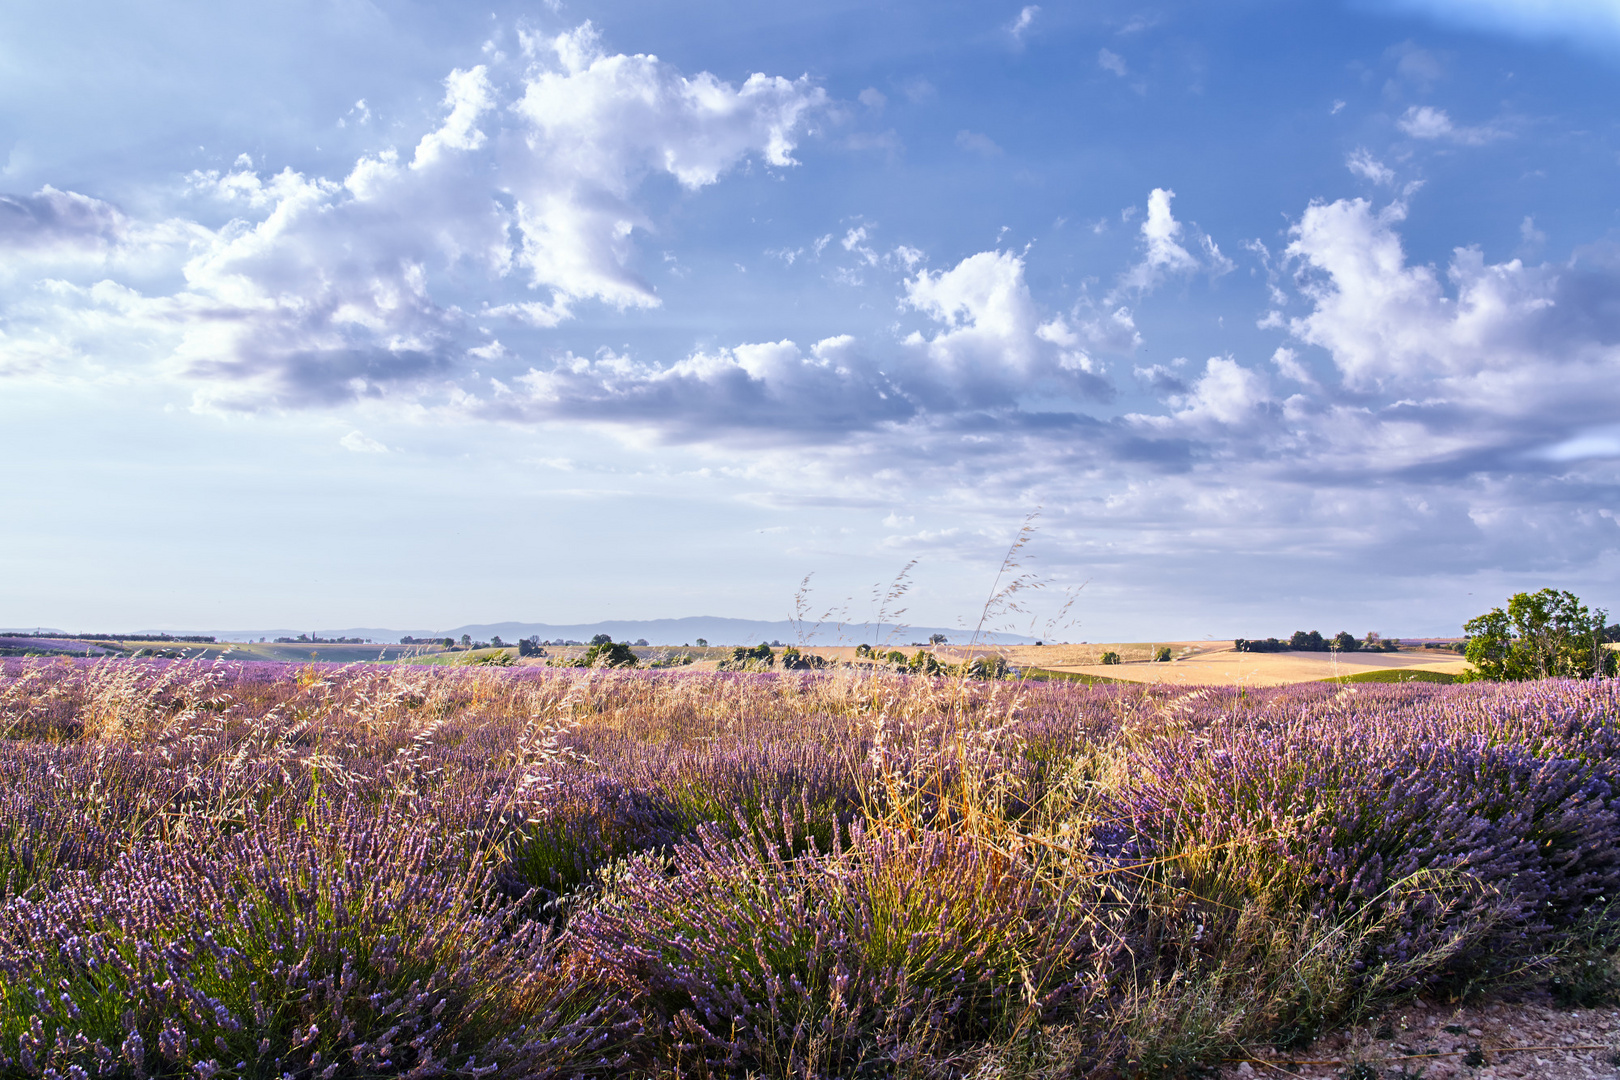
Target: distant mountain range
[(714, 630)]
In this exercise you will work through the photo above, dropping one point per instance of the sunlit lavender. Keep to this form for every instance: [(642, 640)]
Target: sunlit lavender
[(256, 870)]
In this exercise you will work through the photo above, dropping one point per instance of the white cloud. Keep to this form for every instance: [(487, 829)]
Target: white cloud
[(1020, 26), (977, 143), (360, 443), (1510, 358), (1226, 394), (873, 99), (1163, 255), (993, 344), (1112, 61), (322, 290), (1427, 122), (1364, 165)]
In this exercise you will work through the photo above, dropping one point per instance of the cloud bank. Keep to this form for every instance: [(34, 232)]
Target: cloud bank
[(320, 291)]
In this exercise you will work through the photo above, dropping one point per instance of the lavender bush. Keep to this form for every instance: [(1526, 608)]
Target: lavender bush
[(265, 870)]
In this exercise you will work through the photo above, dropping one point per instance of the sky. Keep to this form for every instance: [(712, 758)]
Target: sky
[(1264, 314)]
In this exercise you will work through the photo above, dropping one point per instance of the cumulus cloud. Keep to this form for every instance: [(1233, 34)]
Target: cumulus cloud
[(1109, 60), (776, 391), (1163, 254), (989, 348), (993, 344), (324, 290), (1490, 359)]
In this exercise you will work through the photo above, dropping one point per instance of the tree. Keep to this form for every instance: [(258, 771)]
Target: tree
[(1345, 641), (602, 639), (609, 654), (1110, 657), (936, 639), (497, 642), (703, 643), (1541, 635), (466, 640)]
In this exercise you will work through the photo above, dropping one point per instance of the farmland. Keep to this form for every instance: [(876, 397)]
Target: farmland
[(221, 869)]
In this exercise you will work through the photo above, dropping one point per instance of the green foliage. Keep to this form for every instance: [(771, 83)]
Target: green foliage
[(759, 658), (1396, 675), (490, 659), (1035, 674), (602, 639), (609, 654), (1345, 641), (863, 650), (794, 660), (1584, 974), (983, 667), (925, 663), (1541, 635), (1110, 657), (1163, 655)]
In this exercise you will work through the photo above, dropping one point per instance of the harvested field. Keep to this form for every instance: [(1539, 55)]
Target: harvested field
[(1206, 663), (265, 870)]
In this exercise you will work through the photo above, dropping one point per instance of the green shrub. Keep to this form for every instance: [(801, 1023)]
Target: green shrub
[(1110, 657), (1163, 655), (609, 654)]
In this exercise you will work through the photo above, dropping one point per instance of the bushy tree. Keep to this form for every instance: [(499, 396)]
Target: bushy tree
[(602, 639), (703, 643), (1110, 657), (1163, 654), (1345, 641), (863, 650), (924, 663), (1541, 635), (936, 639), (609, 653)]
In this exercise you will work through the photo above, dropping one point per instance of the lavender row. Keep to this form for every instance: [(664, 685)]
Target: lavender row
[(258, 870)]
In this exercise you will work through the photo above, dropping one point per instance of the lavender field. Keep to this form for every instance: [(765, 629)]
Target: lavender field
[(257, 870)]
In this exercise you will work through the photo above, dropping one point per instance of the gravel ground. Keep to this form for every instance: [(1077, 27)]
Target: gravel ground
[(1570, 1044)]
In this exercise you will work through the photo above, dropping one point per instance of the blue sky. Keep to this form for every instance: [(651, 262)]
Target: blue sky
[(1284, 314)]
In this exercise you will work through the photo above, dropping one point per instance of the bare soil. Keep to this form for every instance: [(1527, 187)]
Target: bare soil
[(1493, 1040)]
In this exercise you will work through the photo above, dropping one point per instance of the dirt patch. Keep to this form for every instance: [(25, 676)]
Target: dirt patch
[(1493, 1040)]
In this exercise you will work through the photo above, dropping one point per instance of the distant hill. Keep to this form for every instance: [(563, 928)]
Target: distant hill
[(714, 630)]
